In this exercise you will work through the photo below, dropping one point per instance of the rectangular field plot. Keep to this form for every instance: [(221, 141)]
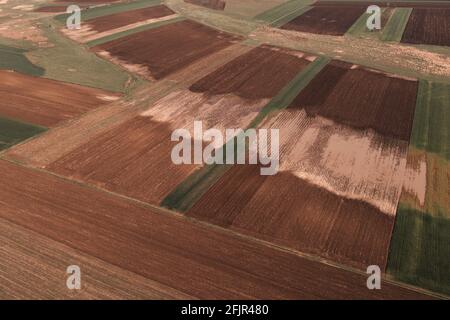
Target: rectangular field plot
[(13, 132), (139, 150), (428, 26), (212, 4), (342, 164), (46, 102), (158, 52), (171, 255), (329, 20), (121, 19)]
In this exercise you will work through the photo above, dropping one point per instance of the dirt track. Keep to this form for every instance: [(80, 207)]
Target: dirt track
[(169, 250), (329, 20), (162, 51), (428, 26), (121, 19), (46, 102)]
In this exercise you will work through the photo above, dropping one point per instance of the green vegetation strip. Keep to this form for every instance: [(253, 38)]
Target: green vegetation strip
[(13, 132), (420, 250), (396, 25), (283, 10), (432, 119), (100, 11), (118, 35), (15, 59), (189, 191), (283, 20)]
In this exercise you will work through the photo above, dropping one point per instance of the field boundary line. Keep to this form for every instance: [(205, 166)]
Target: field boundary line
[(289, 17), (207, 225)]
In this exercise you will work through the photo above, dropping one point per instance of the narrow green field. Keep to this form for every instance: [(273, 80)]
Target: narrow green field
[(280, 12), (296, 13), (396, 25), (14, 59), (420, 246), (111, 9), (359, 28), (189, 191), (118, 35), (13, 132), (432, 119)]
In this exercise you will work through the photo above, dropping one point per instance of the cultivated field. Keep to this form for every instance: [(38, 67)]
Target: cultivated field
[(343, 158), (329, 20), (46, 102), (212, 4), (428, 26), (230, 97), (13, 132), (156, 53)]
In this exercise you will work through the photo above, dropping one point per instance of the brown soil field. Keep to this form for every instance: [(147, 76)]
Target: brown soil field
[(340, 91), (428, 26), (121, 19), (46, 102), (167, 249), (212, 4), (51, 9), (329, 20), (339, 183), (139, 150), (268, 81), (169, 48)]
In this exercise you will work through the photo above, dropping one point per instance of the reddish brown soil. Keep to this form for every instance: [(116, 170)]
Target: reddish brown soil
[(246, 77), (191, 258), (121, 19), (289, 211), (393, 4), (338, 92), (212, 4), (53, 9), (428, 26), (169, 48), (330, 20), (46, 102)]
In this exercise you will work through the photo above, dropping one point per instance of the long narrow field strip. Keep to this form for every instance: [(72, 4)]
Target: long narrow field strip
[(390, 4), (359, 28), (329, 20), (167, 249), (156, 53), (230, 97), (120, 24), (46, 102), (284, 20), (420, 252), (211, 4), (285, 9), (343, 159), (13, 132), (428, 26), (396, 25)]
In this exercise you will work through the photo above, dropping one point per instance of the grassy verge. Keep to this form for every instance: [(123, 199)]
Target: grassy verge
[(184, 196), (285, 19), (396, 25), (13, 132), (118, 35), (15, 59)]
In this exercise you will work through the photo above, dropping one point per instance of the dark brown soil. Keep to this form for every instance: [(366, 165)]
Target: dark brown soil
[(121, 19), (330, 20), (260, 73), (428, 26), (169, 48), (339, 92), (212, 4), (205, 263), (393, 4)]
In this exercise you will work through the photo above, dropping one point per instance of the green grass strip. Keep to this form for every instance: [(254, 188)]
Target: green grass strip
[(118, 35), (282, 10), (185, 195), (15, 59), (396, 25), (283, 20), (13, 132), (100, 11), (420, 250), (432, 119)]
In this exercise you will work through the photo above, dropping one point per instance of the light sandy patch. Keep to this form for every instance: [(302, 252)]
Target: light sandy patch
[(141, 70), (22, 29), (108, 98), (25, 7), (359, 165), (3, 1)]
